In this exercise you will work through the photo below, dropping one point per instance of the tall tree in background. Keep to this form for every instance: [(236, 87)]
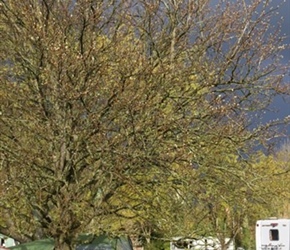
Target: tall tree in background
[(281, 162), (104, 101)]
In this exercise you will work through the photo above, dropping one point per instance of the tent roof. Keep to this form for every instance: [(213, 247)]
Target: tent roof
[(87, 241), (44, 244)]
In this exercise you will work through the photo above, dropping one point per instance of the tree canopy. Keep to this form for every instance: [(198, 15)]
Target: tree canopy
[(116, 110)]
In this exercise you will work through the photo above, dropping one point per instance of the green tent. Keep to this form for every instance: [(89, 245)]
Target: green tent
[(87, 242), (45, 244)]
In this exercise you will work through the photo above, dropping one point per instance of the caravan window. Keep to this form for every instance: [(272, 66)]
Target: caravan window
[(274, 234)]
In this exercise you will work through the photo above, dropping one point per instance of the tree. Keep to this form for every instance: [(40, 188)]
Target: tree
[(102, 97), (281, 162)]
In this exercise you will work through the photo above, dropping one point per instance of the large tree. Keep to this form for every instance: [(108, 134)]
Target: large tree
[(108, 107)]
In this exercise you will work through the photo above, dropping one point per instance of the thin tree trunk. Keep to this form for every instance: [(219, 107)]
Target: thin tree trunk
[(61, 245)]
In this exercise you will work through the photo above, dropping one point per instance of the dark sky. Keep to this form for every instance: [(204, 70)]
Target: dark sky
[(284, 12), (282, 105)]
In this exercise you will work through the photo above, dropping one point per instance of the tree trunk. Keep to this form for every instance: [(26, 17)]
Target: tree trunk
[(61, 245)]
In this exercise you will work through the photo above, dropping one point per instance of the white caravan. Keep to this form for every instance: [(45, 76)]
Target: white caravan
[(208, 243), (273, 234)]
